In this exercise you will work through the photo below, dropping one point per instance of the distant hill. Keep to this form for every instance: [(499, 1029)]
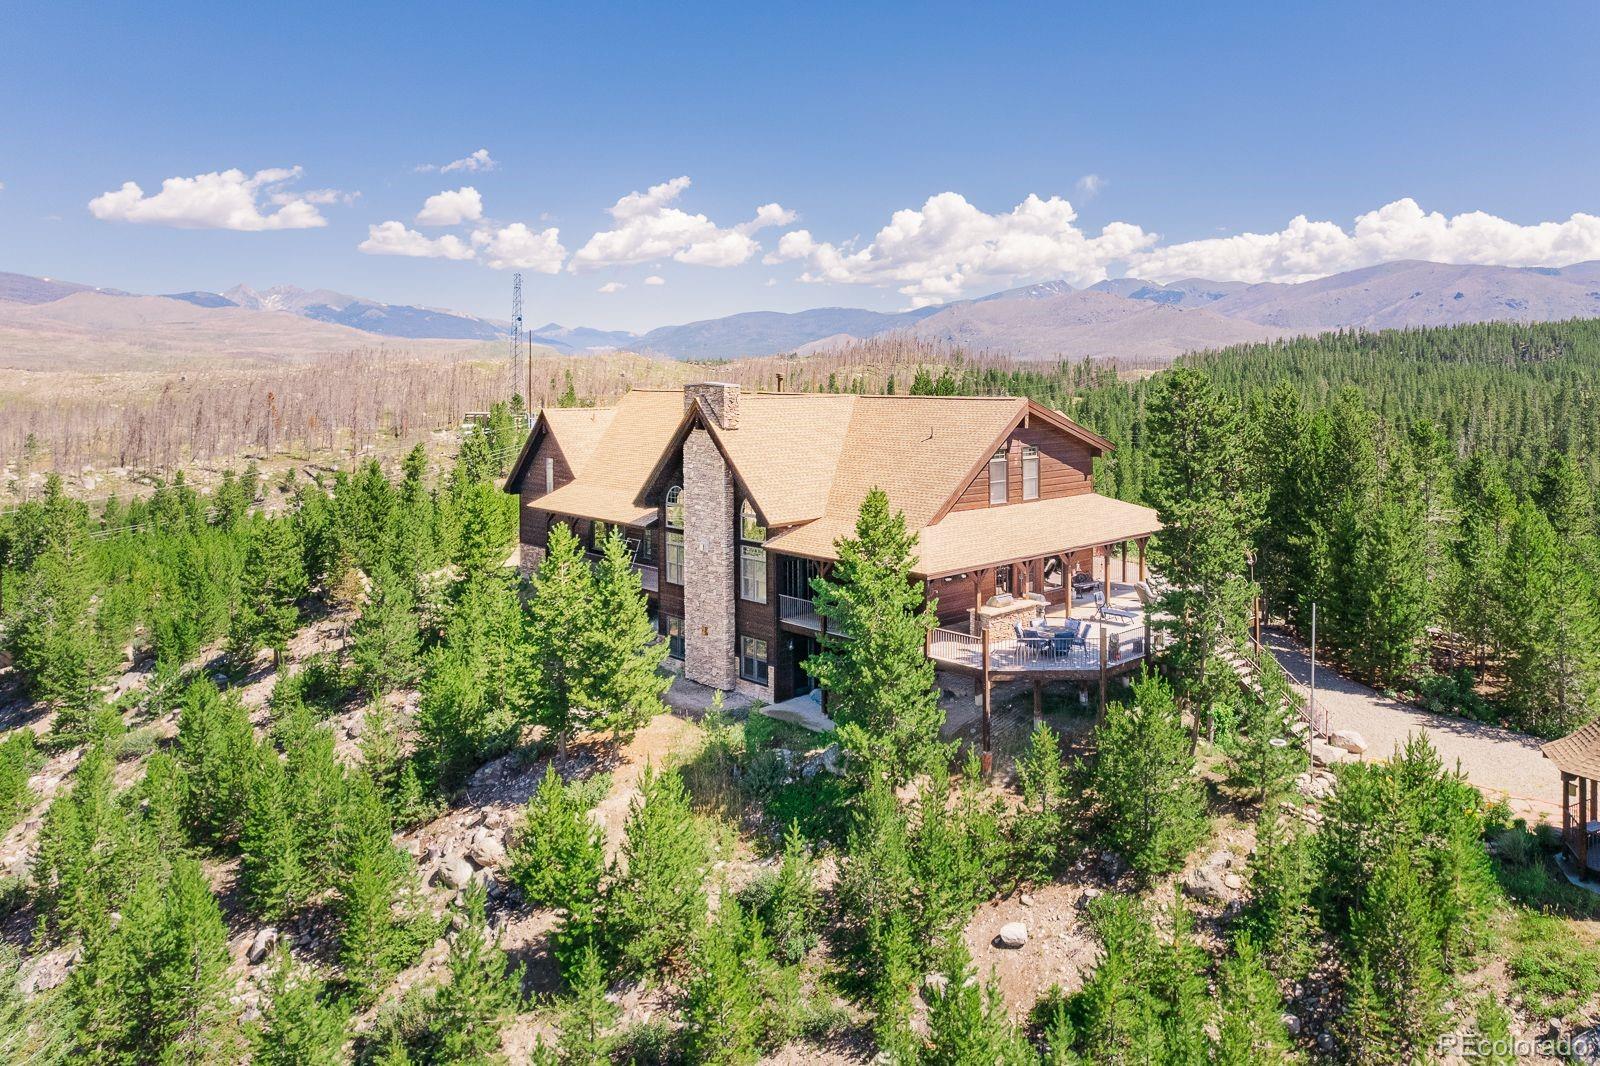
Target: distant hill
[(388, 320), (1078, 325), (23, 289), (582, 338), (768, 332)]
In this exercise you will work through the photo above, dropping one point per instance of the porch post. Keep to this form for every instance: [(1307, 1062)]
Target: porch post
[(986, 759), (822, 636), (1566, 808), (1583, 826), (1144, 572), (1106, 574), (1123, 548), (1101, 717)]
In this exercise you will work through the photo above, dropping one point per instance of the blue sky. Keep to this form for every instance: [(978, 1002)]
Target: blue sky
[(1198, 122)]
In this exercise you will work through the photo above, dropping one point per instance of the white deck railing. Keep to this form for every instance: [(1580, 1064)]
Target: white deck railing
[(1011, 653)]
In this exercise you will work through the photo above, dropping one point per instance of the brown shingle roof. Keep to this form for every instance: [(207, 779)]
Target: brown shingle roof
[(986, 536), (1578, 753), (611, 452)]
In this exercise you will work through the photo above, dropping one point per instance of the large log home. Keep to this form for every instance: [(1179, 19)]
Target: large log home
[(733, 502)]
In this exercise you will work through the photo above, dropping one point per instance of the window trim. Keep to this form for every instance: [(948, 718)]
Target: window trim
[(750, 554), (1030, 471), (673, 563), (673, 503), (765, 673), (998, 463), (748, 522)]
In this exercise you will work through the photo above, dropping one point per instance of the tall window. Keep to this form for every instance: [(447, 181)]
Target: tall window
[(753, 660), (549, 474), (675, 556), (1030, 472), (752, 556), (997, 477), (672, 629)]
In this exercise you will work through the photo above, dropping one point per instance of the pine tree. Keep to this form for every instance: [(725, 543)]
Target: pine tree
[(1143, 781), (1550, 627), (967, 1023), (1278, 915), (561, 622), (1399, 967), (587, 1014), (879, 680), (481, 993), (625, 652), (300, 1024), (384, 641), (1475, 597), (558, 856), (271, 872), (1118, 1019), (215, 752), (20, 758), (1250, 1027), (1038, 826), (722, 1000), (186, 1009), (1203, 485), (791, 913), (373, 941), (1265, 754), (657, 904), (274, 579)]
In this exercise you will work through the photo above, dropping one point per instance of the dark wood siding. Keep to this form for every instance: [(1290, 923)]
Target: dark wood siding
[(1066, 468), (759, 620), (533, 525)]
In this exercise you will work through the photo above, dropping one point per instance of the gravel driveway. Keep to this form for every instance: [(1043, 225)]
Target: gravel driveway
[(1503, 763)]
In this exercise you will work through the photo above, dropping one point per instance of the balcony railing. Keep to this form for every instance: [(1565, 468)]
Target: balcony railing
[(1012, 654), (649, 577), (799, 611)]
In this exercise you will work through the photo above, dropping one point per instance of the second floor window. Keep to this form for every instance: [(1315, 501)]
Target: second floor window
[(997, 477), (675, 507), (549, 474), (750, 527), (753, 573), (1030, 472), (674, 557)]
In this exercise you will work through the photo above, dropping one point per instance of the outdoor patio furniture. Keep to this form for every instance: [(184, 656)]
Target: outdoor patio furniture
[(1065, 640), (1032, 640)]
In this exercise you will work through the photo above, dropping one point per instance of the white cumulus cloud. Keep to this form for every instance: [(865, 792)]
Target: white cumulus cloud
[(611, 287), (949, 246), (1304, 249), (451, 207), (649, 227), (516, 247), (478, 160), (655, 279), (393, 238), (227, 199), (1091, 184)]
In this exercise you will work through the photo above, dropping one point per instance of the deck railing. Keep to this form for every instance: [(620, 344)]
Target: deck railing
[(791, 607), (1012, 653), (649, 577)]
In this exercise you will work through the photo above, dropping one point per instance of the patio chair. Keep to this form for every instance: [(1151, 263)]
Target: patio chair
[(1065, 640), (1031, 640)]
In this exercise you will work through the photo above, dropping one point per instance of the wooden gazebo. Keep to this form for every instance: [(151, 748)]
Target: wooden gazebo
[(1578, 758)]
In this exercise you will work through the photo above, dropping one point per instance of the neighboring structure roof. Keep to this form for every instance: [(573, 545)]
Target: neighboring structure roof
[(1578, 753), (611, 454)]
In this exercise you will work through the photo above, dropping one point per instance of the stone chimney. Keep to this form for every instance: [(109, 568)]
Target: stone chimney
[(719, 400)]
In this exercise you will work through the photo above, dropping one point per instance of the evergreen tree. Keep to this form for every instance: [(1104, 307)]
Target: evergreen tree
[(625, 651), (722, 1000), (1476, 595), (587, 1014), (657, 904), (1265, 754), (1250, 1027), (558, 861), (20, 758), (875, 884), (1038, 827), (790, 914), (300, 1024), (1550, 628), (1203, 485), (384, 641), (879, 680), (1278, 915), (480, 994), (215, 749), (561, 621), (271, 872), (1398, 979), (373, 941), (1143, 781), (274, 579), (967, 1023), (185, 1013)]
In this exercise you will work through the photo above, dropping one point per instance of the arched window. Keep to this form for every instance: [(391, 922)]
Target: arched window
[(675, 507), (750, 527)]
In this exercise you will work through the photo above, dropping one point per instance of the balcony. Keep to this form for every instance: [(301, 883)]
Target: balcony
[(799, 612), (649, 577), (1038, 653)]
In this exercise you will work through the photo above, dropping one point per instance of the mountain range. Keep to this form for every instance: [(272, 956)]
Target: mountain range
[(1124, 317)]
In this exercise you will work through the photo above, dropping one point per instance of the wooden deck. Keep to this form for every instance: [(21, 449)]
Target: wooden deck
[(1012, 658)]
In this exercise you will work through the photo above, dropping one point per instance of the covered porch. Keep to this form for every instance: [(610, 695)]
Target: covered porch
[(1577, 756)]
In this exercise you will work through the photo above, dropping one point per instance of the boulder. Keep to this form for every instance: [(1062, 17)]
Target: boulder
[(486, 849), (1348, 740), (265, 940), (1326, 754), (1233, 881), (1291, 1024), (1013, 935), (935, 983), (454, 872), (1206, 884)]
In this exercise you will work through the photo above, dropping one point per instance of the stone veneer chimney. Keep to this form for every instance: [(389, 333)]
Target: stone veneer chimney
[(719, 399), (708, 543)]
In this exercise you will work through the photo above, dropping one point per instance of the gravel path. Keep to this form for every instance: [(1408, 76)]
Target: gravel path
[(1501, 762)]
